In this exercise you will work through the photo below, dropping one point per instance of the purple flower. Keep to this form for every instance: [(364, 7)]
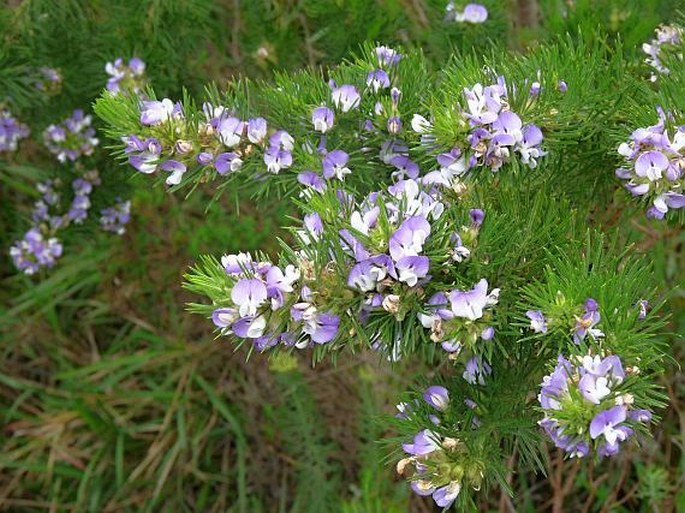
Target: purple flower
[(607, 423), (437, 396), (642, 305), (249, 327), (640, 415), (488, 333), (409, 238), (528, 147), (311, 180), (477, 217), (537, 321), (405, 167), (366, 275), (346, 97), (282, 140), (477, 369), (424, 443), (377, 80), (555, 385), (127, 77), (227, 163), (256, 130), (586, 324), (387, 56), (34, 251), (651, 165), (114, 219), (176, 168), (335, 165), (72, 138), (230, 130), (224, 317), (395, 126), (472, 13), (451, 346), (535, 89), (248, 295), (445, 496), (313, 224), (594, 388), (411, 268), (154, 112), (11, 132), (322, 118), (277, 159), (352, 245), (470, 304), (562, 86), (143, 155), (234, 265), (322, 328)]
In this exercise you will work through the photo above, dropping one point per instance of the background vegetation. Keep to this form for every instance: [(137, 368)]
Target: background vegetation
[(113, 398)]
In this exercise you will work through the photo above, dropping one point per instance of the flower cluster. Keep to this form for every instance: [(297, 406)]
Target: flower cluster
[(436, 465), (668, 39), (587, 404), (11, 131), (126, 77), (50, 81), (654, 167), (35, 251), (496, 131), (39, 246), (261, 296), (115, 218), (585, 321), (72, 138), (459, 318), (220, 142), (471, 13)]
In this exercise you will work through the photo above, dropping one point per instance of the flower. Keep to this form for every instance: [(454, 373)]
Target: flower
[(411, 268), (537, 321), (346, 97), (590, 389), (387, 56), (409, 238), (668, 37), (377, 80), (256, 130), (470, 304), (35, 251), (11, 132), (125, 77), (477, 369), (335, 165), (424, 443), (322, 119), (144, 155), (653, 166), (437, 396), (72, 138), (586, 324), (114, 219), (155, 112), (176, 168), (472, 13)]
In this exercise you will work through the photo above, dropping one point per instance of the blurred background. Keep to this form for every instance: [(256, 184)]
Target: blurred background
[(113, 398)]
